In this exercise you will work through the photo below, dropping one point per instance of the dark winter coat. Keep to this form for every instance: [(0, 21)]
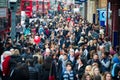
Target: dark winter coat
[(79, 71), (14, 60), (20, 72), (33, 73)]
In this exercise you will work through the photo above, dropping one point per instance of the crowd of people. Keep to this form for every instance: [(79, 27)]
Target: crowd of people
[(67, 47)]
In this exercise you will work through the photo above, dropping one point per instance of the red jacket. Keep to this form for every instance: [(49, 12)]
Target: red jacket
[(6, 66)]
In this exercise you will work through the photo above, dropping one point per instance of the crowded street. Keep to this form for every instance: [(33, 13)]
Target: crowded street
[(60, 44)]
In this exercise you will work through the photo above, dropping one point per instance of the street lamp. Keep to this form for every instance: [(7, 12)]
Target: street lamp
[(13, 8)]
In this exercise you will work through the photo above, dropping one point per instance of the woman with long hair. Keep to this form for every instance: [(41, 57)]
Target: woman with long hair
[(107, 76)]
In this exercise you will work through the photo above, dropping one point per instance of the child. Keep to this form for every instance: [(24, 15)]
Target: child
[(68, 74)]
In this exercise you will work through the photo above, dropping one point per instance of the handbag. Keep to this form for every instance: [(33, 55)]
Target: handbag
[(51, 76)]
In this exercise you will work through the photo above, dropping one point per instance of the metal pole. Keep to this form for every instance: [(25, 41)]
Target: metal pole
[(43, 8), (107, 19), (13, 24)]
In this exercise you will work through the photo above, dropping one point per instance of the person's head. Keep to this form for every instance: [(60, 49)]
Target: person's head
[(27, 50), (95, 64), (107, 76), (9, 40), (92, 52), (29, 62), (71, 52), (105, 54), (95, 70), (65, 57), (88, 69), (81, 61), (111, 47), (47, 51), (54, 55), (39, 58), (106, 39), (62, 52), (12, 51), (95, 57), (95, 41), (16, 52), (68, 66), (87, 77)]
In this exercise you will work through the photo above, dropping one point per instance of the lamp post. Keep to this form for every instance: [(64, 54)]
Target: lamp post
[(13, 8)]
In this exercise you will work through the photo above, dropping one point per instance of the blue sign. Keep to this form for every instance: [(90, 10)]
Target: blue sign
[(79, 1), (82, 0), (102, 15)]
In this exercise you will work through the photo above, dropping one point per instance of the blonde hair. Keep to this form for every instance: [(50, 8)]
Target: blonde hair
[(93, 69), (40, 58), (92, 53), (88, 69), (16, 52)]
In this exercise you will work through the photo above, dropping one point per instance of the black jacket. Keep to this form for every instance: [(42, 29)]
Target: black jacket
[(33, 73), (79, 71), (14, 60), (40, 71)]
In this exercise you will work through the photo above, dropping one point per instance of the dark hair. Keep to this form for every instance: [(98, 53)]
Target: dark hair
[(97, 77), (83, 60), (69, 63), (106, 53), (85, 75), (29, 62), (105, 74), (117, 48)]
